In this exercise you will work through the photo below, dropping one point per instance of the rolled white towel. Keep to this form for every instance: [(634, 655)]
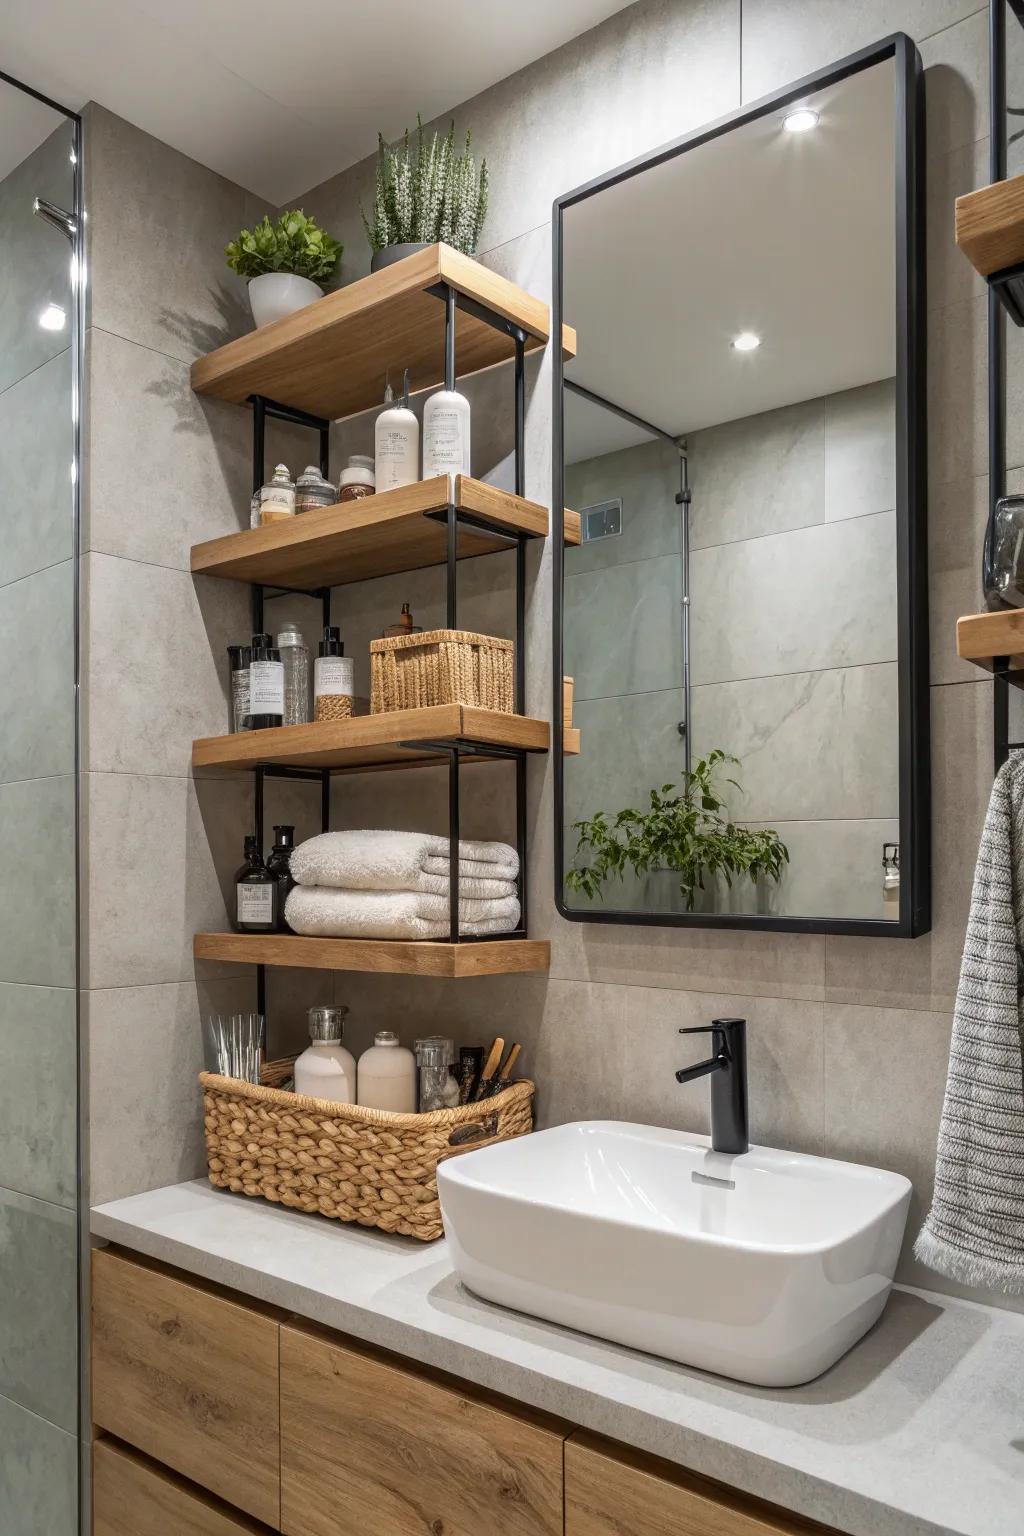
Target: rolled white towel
[(402, 861), (323, 912)]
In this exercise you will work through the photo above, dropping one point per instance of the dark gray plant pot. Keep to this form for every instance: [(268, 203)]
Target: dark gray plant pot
[(392, 253)]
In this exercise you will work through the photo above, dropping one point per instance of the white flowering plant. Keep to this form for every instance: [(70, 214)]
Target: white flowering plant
[(427, 192)]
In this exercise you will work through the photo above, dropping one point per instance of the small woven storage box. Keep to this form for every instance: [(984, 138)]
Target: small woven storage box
[(370, 1166), (443, 666)]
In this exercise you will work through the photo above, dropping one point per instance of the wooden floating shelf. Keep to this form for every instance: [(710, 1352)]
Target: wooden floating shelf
[(990, 232), (376, 536), (369, 742), (981, 637), (331, 358), (394, 957)]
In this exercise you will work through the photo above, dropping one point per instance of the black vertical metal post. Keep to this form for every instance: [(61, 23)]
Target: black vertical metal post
[(449, 338), (325, 800), (453, 844), (325, 450), (451, 583), (520, 423), (521, 836), (520, 650)]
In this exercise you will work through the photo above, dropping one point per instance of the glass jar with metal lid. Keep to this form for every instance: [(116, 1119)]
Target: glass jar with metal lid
[(358, 478), (312, 491)]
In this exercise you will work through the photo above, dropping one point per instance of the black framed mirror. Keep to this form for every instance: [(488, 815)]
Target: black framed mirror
[(740, 437)]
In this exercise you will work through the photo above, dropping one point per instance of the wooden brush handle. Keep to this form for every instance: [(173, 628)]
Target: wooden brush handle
[(489, 1072), (506, 1068)]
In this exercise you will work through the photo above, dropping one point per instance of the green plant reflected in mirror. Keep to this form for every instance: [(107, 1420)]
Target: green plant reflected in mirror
[(682, 830)]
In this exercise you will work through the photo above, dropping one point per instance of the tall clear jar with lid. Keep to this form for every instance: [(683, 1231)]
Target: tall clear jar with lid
[(295, 656)]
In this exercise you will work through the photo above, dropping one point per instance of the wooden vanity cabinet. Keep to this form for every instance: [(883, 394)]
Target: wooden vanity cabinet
[(613, 1491), (132, 1496), (188, 1374), (369, 1448)]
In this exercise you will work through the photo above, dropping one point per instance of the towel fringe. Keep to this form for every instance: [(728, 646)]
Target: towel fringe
[(967, 1268)]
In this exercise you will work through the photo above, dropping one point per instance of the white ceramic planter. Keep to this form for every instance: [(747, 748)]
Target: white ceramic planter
[(276, 294)]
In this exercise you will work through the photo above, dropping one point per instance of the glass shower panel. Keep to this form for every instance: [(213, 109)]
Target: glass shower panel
[(39, 1195)]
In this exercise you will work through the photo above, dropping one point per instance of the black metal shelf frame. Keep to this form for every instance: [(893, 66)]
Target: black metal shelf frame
[(264, 409)]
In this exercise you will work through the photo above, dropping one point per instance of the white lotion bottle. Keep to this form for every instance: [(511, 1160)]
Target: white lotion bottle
[(387, 1075), (396, 436), (446, 434), (326, 1070)]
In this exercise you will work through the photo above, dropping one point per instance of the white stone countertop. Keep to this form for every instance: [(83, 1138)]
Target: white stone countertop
[(919, 1430)]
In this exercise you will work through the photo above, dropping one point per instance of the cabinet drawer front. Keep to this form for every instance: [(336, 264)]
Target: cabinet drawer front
[(191, 1378), (131, 1497), (613, 1493), (370, 1449)]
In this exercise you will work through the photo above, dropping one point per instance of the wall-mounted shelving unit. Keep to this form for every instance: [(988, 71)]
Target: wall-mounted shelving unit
[(426, 313)]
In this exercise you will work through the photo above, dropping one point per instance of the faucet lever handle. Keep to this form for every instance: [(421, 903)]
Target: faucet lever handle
[(727, 1025)]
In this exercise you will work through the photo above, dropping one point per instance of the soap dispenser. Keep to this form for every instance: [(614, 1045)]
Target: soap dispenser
[(396, 441), (446, 434), (326, 1070)]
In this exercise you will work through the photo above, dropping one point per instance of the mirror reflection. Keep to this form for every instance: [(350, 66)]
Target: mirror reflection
[(729, 618)]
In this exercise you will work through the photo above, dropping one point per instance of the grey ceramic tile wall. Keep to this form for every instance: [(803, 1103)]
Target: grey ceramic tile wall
[(38, 1474), (38, 1091), (623, 628), (37, 623), (646, 479), (632, 743), (760, 474), (39, 1318), (37, 897), (35, 468)]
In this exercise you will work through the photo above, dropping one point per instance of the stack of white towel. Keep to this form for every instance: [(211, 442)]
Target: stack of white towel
[(395, 885)]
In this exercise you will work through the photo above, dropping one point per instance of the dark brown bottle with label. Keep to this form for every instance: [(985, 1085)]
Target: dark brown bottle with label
[(279, 861), (256, 893)]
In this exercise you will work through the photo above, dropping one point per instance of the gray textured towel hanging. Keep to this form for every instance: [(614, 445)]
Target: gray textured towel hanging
[(975, 1229)]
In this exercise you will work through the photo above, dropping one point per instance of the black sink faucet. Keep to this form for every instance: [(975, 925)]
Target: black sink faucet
[(727, 1068)]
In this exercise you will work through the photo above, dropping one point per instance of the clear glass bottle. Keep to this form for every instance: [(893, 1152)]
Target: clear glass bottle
[(295, 657), (326, 1069), (1003, 565), (438, 1089)]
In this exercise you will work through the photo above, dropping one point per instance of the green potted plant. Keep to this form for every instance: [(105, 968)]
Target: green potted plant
[(285, 262), (425, 193), (684, 831)]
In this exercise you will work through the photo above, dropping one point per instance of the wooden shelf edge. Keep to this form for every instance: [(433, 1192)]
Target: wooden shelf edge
[(395, 957), (352, 743), (981, 637), (990, 226), (571, 741), (227, 556)]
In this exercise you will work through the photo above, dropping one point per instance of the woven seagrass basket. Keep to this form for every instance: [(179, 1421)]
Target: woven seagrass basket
[(369, 1166), (443, 666)]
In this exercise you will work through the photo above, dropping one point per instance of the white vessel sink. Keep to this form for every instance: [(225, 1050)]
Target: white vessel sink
[(765, 1266)]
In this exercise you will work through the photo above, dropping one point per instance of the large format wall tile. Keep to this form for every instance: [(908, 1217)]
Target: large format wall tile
[(760, 474), (39, 1317), (162, 853), (922, 973), (623, 628), (785, 39), (37, 894), (629, 746), (860, 450), (842, 724), (647, 479), (39, 1092), (37, 642), (35, 469), (174, 470), (148, 285), (146, 1106), (38, 1475), (156, 663), (885, 1073), (36, 268), (834, 870), (795, 602)]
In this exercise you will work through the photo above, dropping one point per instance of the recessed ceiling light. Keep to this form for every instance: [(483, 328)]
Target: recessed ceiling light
[(746, 341), (53, 318), (800, 120)]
